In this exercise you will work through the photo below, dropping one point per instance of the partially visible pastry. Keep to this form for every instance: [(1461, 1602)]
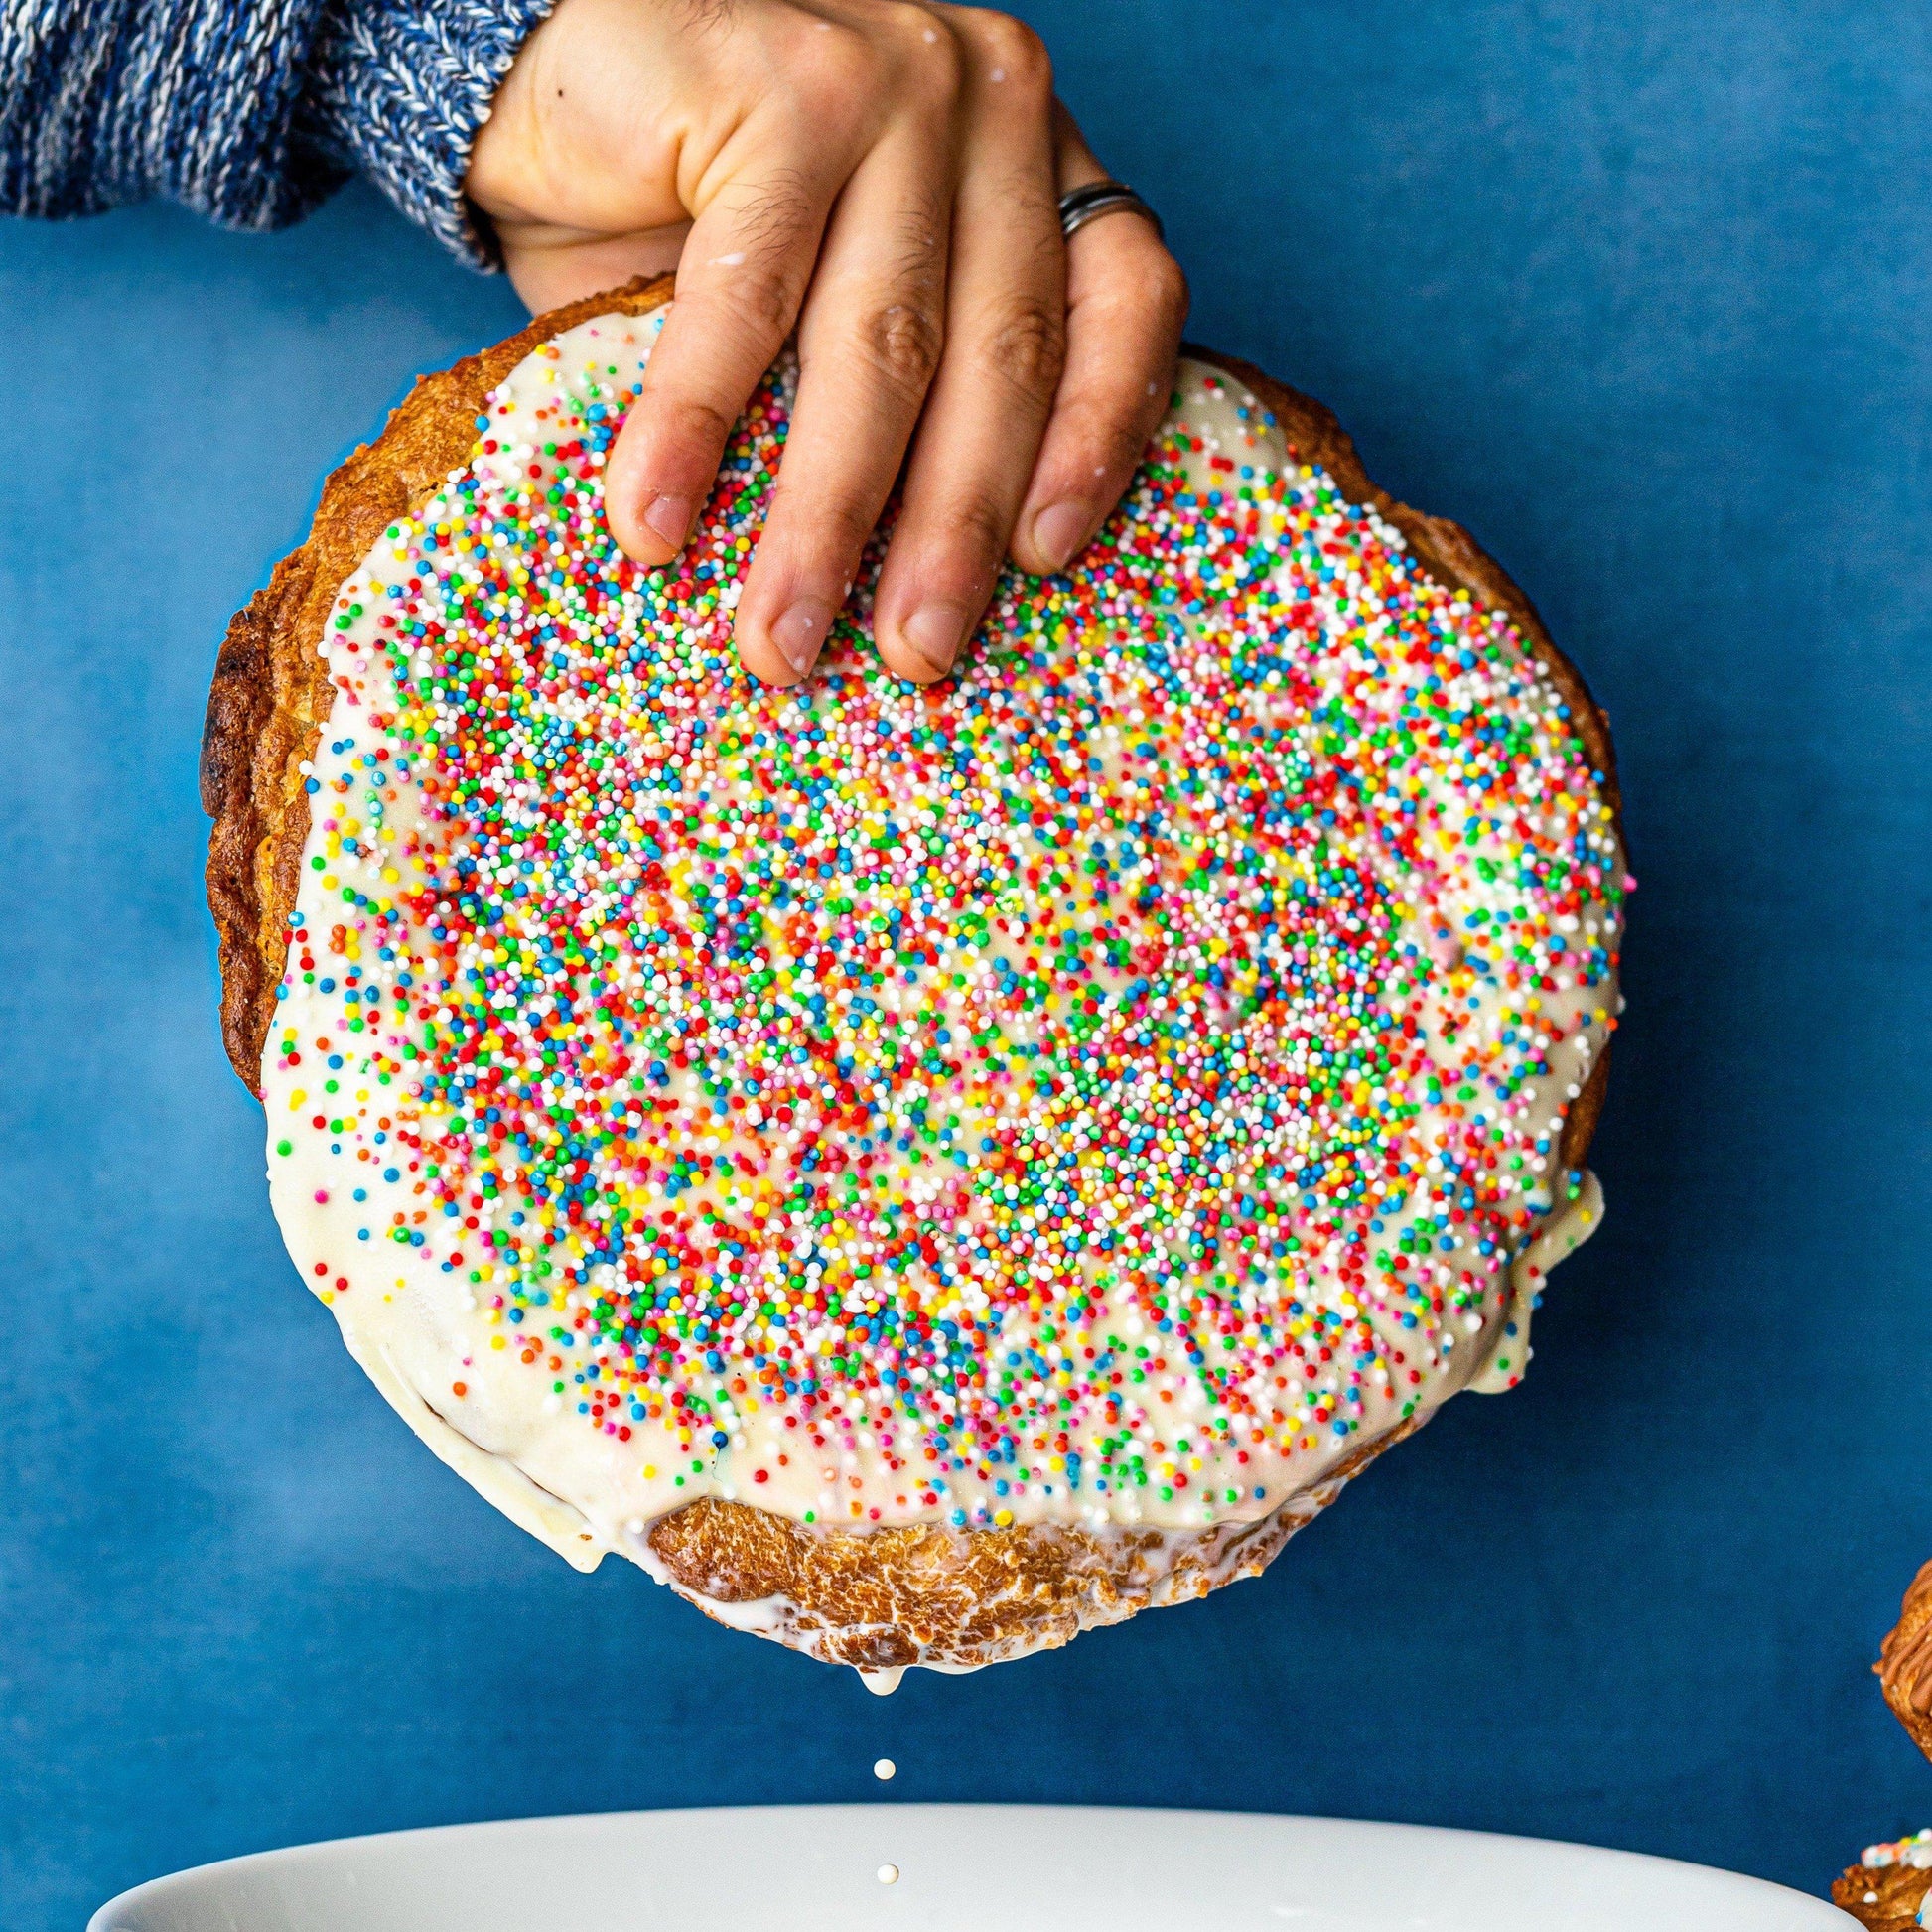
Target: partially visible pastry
[(1904, 1663), (1886, 1889)]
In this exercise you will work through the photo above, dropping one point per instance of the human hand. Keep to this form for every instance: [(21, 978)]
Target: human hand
[(885, 175)]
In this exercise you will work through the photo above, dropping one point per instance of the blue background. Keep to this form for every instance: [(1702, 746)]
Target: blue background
[(1641, 294)]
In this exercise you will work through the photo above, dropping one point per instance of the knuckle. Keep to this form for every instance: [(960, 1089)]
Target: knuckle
[(762, 301), (833, 63), (1123, 437), (692, 432), (698, 419), (1098, 433), (911, 23), (1132, 288), (936, 67), (853, 518), (1018, 51), (902, 341), (833, 526), (1121, 431), (814, 531), (1027, 345), (1167, 291), (978, 527)]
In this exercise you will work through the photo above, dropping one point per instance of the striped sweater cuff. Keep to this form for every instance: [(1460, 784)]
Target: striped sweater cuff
[(397, 90)]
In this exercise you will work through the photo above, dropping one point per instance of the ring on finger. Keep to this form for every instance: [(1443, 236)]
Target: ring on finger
[(1079, 205)]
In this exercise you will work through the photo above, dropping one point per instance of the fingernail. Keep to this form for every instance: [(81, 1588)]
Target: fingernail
[(1059, 531), (669, 517), (799, 632), (936, 631)]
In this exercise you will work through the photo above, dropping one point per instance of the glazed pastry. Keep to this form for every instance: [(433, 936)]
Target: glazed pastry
[(1886, 1889), (920, 1172), (1904, 1663)]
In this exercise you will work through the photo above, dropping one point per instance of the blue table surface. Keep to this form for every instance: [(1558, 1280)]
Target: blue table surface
[(1638, 292)]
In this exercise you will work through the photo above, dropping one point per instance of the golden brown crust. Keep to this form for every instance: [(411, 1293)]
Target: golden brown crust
[(876, 1598), (1884, 1898), (271, 688), (918, 1593), (1904, 1663)]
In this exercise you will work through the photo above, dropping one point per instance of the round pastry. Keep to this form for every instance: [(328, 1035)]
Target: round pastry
[(1891, 1887), (1904, 1663), (922, 1172)]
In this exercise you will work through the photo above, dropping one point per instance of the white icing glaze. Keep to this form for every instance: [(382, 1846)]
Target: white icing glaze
[(419, 1326)]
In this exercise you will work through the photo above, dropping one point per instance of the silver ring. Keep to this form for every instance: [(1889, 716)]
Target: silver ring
[(1079, 205)]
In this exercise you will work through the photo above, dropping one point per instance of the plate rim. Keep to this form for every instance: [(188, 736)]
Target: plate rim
[(156, 1889)]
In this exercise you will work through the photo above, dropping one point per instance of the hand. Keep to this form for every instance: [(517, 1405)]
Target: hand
[(884, 176)]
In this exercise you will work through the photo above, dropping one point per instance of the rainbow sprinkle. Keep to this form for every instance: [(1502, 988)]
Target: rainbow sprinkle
[(1915, 1850), (1105, 1082)]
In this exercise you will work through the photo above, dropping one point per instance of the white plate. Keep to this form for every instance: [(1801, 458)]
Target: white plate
[(961, 1869)]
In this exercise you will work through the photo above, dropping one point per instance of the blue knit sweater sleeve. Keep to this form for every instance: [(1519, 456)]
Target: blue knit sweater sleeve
[(251, 111), (397, 89)]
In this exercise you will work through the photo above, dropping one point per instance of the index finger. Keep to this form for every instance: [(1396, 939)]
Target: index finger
[(743, 272)]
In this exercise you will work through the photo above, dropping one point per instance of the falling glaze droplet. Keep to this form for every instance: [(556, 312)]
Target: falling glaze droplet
[(882, 1683), (888, 1874), (884, 1769)]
